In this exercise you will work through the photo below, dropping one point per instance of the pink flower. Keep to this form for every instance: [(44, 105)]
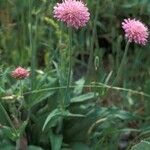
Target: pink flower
[(20, 73), (73, 12), (135, 31)]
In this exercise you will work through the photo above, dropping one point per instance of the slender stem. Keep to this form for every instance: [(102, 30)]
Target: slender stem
[(8, 118), (19, 113), (33, 54), (91, 55), (122, 63), (67, 97), (21, 88), (100, 85), (18, 144), (21, 97), (31, 48)]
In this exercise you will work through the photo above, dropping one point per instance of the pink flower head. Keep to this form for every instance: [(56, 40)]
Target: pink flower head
[(20, 73), (135, 31), (73, 12)]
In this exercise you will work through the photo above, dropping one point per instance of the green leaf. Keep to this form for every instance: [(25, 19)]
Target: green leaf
[(56, 141), (143, 145), (8, 132), (2, 90), (7, 146), (80, 146), (68, 114), (84, 97), (56, 114), (2, 116), (32, 147), (53, 116), (41, 98), (79, 86), (22, 128)]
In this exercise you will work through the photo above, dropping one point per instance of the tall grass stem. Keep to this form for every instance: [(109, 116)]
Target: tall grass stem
[(94, 31), (33, 53), (122, 63)]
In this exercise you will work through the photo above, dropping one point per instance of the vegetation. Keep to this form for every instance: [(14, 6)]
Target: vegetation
[(94, 111)]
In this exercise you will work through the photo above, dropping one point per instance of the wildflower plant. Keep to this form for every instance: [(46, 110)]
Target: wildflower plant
[(135, 31), (75, 14), (20, 74)]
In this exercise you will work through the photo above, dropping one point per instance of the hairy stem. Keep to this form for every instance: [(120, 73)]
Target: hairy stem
[(67, 97)]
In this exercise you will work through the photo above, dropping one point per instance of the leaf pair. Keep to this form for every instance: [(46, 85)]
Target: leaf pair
[(56, 114)]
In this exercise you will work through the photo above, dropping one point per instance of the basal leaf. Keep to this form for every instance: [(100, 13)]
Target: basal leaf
[(143, 145), (56, 141), (55, 114)]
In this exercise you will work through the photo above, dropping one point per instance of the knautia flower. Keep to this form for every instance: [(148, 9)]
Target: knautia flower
[(135, 31), (73, 12), (20, 73)]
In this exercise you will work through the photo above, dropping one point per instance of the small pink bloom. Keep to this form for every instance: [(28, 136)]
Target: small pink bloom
[(20, 73), (73, 12), (135, 31)]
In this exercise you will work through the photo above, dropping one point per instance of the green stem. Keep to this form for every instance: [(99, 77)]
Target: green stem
[(31, 48), (122, 63), (21, 97), (100, 85), (18, 111), (67, 97), (21, 88), (91, 55), (8, 119), (18, 144)]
